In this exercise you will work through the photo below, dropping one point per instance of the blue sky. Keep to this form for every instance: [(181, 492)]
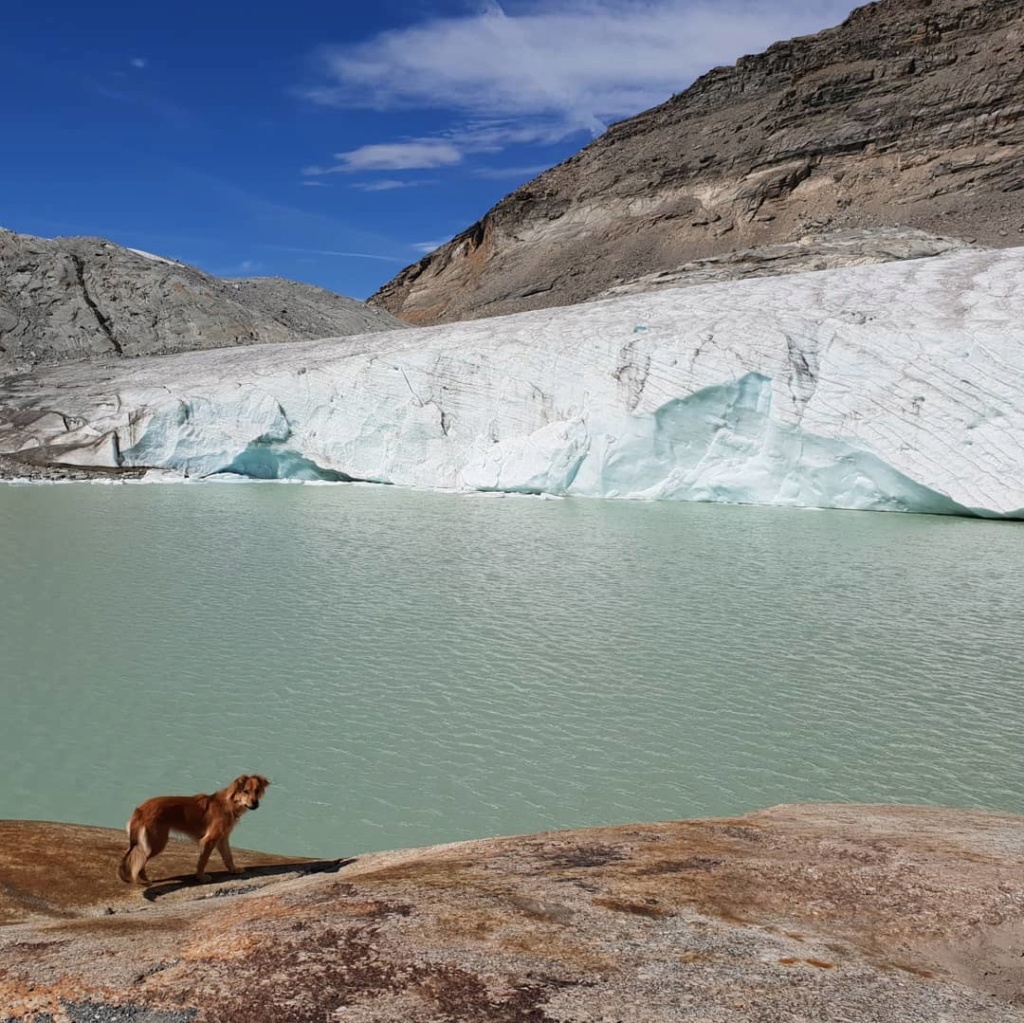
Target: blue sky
[(330, 143)]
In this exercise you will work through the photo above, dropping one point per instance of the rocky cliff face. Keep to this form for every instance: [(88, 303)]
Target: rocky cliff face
[(862, 914), (905, 116), (75, 298)]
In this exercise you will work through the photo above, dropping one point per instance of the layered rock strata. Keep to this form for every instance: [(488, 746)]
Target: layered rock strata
[(908, 115)]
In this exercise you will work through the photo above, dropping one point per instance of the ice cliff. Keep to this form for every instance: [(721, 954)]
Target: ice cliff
[(893, 387)]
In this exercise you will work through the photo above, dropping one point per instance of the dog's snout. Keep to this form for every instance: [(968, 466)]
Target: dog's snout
[(255, 805)]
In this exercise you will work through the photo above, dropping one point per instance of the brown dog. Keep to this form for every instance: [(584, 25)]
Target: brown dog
[(207, 819)]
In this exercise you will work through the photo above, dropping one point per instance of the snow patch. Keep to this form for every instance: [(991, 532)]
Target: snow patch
[(155, 258)]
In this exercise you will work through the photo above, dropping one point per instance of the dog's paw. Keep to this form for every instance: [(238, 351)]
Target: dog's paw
[(202, 878)]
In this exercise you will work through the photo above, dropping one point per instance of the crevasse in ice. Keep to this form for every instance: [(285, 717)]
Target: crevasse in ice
[(894, 387)]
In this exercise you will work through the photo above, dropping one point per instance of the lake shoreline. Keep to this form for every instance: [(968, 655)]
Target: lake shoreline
[(18, 470)]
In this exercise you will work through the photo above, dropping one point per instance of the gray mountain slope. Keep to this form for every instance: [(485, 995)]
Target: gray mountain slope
[(898, 133), (77, 298)]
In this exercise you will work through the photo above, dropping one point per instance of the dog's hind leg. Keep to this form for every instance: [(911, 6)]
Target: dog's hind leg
[(127, 865), (140, 849)]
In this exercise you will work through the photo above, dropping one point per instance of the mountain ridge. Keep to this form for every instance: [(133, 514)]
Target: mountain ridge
[(904, 116), (69, 299)]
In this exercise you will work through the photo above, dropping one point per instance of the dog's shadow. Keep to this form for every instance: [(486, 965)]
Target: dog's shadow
[(168, 885)]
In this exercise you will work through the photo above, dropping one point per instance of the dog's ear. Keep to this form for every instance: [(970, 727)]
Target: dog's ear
[(263, 783), (238, 785)]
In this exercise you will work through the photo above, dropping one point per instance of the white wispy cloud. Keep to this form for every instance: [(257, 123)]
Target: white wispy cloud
[(415, 154), (535, 72), (138, 62), (557, 67)]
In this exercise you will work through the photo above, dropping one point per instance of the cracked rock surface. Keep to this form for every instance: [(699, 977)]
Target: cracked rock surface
[(808, 912), (77, 298)]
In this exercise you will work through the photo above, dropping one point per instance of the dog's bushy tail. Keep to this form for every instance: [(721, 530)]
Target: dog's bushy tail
[(134, 860)]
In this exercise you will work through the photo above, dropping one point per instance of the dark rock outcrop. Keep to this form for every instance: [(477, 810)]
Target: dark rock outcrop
[(908, 115), (76, 298)]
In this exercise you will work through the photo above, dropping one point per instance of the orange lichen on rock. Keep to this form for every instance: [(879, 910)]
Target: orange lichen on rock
[(912, 912)]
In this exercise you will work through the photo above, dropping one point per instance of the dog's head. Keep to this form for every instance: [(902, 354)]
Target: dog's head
[(246, 791)]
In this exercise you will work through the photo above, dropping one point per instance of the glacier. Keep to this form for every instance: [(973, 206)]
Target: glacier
[(896, 387)]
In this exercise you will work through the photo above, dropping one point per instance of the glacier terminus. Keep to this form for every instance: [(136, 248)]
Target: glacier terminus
[(896, 387)]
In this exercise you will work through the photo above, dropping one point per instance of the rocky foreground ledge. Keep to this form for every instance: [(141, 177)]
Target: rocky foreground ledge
[(799, 913)]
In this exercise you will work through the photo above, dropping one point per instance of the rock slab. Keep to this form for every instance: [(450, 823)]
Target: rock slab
[(860, 914)]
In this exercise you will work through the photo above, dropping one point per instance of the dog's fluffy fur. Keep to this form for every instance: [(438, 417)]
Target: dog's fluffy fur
[(207, 819)]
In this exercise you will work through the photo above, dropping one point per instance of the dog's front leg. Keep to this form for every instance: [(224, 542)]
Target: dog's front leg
[(225, 854), (206, 846)]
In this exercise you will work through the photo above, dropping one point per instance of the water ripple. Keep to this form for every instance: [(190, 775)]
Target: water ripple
[(411, 668)]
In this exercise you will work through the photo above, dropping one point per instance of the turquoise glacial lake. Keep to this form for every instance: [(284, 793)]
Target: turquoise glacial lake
[(411, 668)]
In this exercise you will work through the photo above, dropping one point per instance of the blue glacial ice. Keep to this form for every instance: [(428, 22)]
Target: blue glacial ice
[(892, 387)]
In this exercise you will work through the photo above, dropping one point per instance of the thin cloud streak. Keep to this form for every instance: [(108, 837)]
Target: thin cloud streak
[(416, 154), (174, 115), (388, 185), (331, 252), (448, 149)]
